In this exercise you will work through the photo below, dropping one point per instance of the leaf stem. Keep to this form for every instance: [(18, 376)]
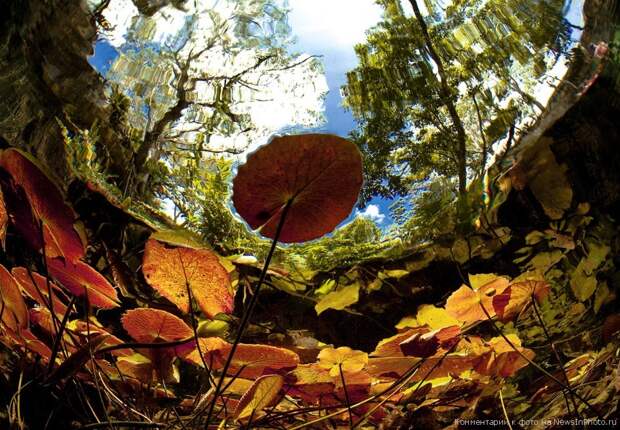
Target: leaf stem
[(248, 313), (346, 395)]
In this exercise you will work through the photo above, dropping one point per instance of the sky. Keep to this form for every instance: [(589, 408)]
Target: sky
[(333, 35)]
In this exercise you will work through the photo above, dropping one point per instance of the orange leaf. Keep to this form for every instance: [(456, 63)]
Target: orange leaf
[(390, 347), (79, 278), (261, 394), (146, 325), (394, 367), (167, 269), (14, 315), (518, 296), (255, 360), (4, 220), (503, 360), (319, 174), (47, 205), (465, 303)]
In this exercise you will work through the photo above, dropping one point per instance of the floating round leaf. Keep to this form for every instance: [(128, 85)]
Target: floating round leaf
[(319, 176)]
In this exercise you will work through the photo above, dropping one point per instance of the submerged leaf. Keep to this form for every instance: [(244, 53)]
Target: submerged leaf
[(466, 304), (261, 394), (146, 325), (47, 205), (339, 299), (435, 317), (38, 290), (342, 359), (169, 270), (80, 279), (518, 296), (320, 175), (14, 314), (4, 220), (250, 360)]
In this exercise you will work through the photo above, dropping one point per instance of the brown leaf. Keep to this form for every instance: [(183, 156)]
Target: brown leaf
[(319, 174)]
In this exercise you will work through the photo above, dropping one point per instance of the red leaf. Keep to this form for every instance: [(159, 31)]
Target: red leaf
[(4, 220), (47, 205), (78, 277), (14, 315), (167, 269), (39, 292), (320, 174), (420, 345)]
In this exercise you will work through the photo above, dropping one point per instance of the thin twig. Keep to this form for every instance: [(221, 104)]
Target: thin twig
[(346, 395)]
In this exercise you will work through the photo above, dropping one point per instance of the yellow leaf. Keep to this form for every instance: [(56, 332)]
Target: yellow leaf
[(602, 296), (461, 250), (544, 260), (406, 322), (260, 395), (326, 287), (339, 299), (435, 318), (477, 281), (397, 273), (350, 360)]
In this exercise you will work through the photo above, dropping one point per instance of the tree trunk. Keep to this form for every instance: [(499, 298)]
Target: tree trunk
[(446, 95)]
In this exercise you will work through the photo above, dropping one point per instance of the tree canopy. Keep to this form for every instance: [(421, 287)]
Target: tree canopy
[(433, 93)]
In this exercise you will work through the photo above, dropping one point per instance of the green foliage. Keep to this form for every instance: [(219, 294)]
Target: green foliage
[(492, 53), (358, 240), (427, 214)]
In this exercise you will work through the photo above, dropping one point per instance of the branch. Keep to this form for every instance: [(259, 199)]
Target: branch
[(483, 162), (290, 66)]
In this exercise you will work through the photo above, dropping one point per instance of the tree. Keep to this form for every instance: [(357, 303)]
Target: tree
[(433, 94), (196, 82)]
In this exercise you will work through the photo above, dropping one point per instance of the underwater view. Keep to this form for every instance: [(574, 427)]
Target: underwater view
[(309, 214)]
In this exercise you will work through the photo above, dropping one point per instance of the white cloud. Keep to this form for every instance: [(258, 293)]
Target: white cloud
[(374, 213), (332, 24)]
